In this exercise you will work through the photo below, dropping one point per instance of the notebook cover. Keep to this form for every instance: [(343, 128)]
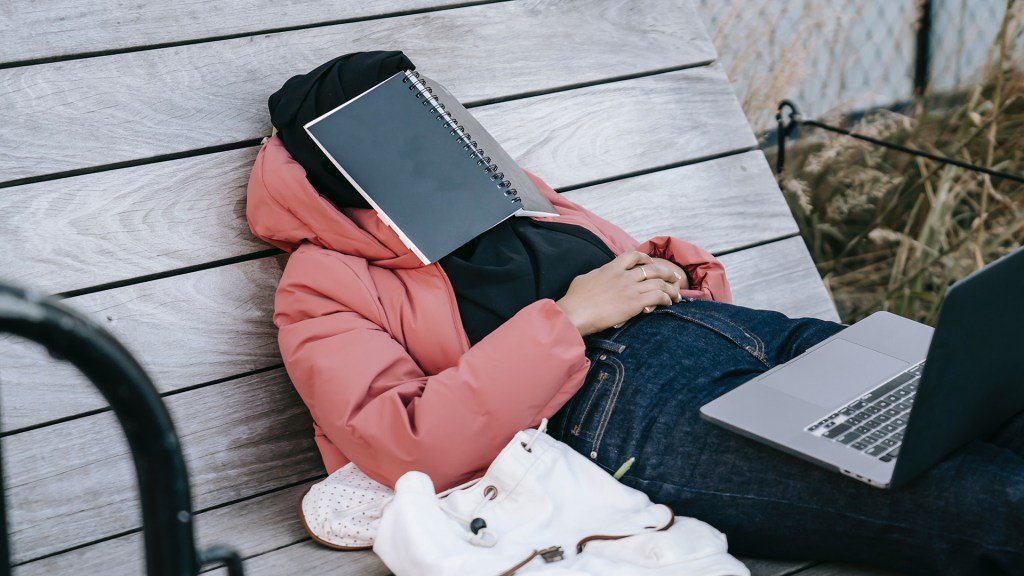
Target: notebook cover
[(411, 169)]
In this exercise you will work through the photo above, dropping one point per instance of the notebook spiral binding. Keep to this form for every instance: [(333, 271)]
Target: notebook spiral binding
[(426, 93)]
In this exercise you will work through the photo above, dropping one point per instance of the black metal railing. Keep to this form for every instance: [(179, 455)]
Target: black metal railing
[(163, 480), (789, 118)]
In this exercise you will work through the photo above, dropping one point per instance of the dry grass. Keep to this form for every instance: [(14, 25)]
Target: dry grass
[(890, 231)]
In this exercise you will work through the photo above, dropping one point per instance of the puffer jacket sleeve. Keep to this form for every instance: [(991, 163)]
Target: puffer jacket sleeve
[(706, 274), (376, 404)]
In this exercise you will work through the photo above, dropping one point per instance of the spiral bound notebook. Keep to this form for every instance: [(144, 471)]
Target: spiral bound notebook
[(431, 171)]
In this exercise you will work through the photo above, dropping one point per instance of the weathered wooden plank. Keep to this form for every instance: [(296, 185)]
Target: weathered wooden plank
[(779, 276), (73, 483), (251, 528), (573, 133), (109, 226), (120, 224), (34, 29), (184, 330), (306, 557), (241, 437), (140, 104), (714, 204), (215, 323)]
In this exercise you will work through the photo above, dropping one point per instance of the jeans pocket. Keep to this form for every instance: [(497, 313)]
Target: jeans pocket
[(702, 313), (597, 397)]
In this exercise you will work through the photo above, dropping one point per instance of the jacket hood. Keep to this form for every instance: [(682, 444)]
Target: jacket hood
[(306, 97), (285, 210)]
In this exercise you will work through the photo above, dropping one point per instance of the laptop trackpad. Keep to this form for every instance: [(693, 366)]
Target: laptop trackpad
[(835, 373)]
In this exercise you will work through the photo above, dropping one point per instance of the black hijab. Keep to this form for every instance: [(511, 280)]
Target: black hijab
[(308, 96)]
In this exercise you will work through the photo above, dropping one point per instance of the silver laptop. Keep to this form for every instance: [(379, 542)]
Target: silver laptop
[(887, 398)]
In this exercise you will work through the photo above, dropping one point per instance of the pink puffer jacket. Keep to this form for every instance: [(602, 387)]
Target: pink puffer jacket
[(373, 342)]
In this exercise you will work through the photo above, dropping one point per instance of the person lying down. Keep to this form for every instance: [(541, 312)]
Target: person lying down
[(406, 366)]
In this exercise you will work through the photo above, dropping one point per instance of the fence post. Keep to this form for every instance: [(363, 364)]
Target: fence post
[(922, 59)]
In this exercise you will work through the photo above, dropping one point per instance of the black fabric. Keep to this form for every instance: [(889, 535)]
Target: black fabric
[(516, 263), (307, 96)]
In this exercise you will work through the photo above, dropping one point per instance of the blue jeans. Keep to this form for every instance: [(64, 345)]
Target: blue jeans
[(641, 399)]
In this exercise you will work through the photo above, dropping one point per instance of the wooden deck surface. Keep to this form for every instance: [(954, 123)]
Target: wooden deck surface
[(127, 137)]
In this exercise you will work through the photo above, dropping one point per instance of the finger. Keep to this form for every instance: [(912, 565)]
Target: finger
[(655, 284), (657, 270), (652, 271), (633, 259), (673, 278), (651, 300)]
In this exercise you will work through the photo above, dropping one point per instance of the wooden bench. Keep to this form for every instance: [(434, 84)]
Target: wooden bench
[(126, 138)]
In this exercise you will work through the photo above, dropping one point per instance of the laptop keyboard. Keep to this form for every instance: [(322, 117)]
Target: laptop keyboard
[(875, 422)]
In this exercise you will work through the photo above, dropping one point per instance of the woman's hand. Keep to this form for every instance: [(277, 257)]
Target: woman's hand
[(683, 280), (628, 285)]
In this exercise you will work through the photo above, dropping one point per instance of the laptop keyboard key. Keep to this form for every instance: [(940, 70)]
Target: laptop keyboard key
[(876, 450), (849, 437), (836, 431), (873, 423)]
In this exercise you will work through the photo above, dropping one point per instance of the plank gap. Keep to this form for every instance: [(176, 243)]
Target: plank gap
[(756, 244), (169, 273), (195, 513), (263, 553), (253, 142), (78, 547), (220, 37), (130, 163), (281, 488), (654, 169), (276, 251), (578, 85), (167, 394)]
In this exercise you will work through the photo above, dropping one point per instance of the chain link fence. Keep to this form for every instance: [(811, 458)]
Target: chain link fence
[(889, 229), (846, 55)]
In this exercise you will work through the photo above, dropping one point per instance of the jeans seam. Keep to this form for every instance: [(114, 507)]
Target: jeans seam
[(759, 347), (590, 400), (830, 511), (620, 376), (746, 349)]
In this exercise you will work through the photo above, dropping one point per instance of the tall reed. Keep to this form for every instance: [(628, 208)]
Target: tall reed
[(890, 231)]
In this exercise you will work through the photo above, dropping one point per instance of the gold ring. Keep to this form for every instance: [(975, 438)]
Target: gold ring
[(644, 271)]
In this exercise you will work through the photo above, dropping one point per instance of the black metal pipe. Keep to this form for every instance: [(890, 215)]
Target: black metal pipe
[(787, 123), (226, 556), (791, 121), (159, 465), (923, 56), (905, 149)]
